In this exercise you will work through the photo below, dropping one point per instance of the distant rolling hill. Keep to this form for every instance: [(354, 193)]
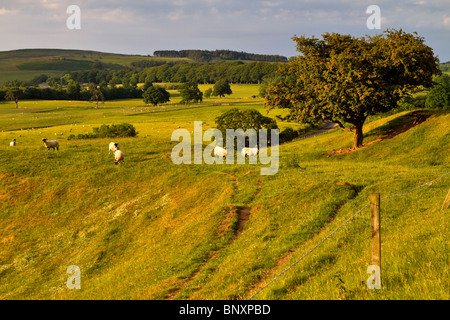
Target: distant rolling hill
[(25, 64)]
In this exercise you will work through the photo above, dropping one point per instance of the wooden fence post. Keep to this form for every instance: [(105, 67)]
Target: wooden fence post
[(376, 236)]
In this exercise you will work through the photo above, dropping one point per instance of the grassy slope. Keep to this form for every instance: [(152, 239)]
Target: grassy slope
[(25, 64), (149, 229)]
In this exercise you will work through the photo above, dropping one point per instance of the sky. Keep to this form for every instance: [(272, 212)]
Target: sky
[(254, 26)]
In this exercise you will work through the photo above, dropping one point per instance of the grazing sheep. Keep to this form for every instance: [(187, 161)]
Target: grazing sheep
[(249, 151), (118, 156), (53, 144), (12, 143), (220, 152), (113, 147)]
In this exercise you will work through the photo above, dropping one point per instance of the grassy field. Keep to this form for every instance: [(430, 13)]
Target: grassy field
[(150, 229)]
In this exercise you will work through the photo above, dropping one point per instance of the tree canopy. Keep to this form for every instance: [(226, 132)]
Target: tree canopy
[(244, 119), (189, 91), (345, 79), (156, 95), (221, 88)]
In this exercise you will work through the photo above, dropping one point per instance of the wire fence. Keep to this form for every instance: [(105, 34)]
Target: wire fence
[(338, 228)]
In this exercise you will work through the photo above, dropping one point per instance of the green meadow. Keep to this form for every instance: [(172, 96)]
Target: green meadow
[(150, 229)]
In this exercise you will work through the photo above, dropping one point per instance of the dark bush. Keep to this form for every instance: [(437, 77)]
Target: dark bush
[(288, 134), (116, 130), (108, 131)]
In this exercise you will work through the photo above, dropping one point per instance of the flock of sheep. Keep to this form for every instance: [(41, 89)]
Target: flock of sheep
[(119, 156), (54, 144)]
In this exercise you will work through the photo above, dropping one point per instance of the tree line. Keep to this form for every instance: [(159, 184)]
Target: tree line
[(206, 55), (208, 73), (201, 73), (73, 91), (151, 94)]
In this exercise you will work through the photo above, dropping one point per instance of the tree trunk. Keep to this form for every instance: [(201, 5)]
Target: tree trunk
[(17, 103), (358, 137)]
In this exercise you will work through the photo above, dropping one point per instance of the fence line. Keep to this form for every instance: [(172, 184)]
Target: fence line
[(338, 228)]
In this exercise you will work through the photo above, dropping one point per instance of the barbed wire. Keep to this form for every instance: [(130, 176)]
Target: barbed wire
[(338, 228)]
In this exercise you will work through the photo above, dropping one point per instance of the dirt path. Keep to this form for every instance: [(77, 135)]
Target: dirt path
[(244, 212), (243, 215)]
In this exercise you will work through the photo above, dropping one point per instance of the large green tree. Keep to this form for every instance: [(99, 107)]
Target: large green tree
[(156, 95), (221, 88), (189, 91), (345, 79)]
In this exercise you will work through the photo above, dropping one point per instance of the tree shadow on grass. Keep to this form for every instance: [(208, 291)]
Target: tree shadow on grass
[(389, 130), (399, 125)]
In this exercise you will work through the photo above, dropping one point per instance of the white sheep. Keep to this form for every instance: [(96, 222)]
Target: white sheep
[(249, 151), (12, 143), (118, 156), (220, 152), (53, 144), (113, 147)]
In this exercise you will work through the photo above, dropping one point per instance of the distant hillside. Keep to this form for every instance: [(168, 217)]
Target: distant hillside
[(28, 64), (445, 67), (205, 55)]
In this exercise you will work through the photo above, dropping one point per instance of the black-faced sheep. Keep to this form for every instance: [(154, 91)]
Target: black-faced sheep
[(53, 144)]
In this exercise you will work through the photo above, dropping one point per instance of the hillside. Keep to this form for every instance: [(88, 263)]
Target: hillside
[(150, 229), (445, 67), (26, 64)]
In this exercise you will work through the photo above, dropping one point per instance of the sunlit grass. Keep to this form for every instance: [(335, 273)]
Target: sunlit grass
[(149, 229)]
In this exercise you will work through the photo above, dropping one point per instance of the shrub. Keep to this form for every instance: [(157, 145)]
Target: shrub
[(288, 134), (438, 98), (116, 130), (108, 131)]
